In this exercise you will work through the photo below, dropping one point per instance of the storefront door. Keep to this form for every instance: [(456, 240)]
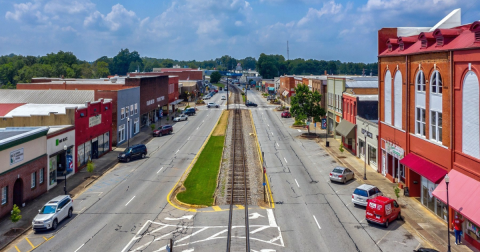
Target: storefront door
[(428, 199), (95, 148), (18, 192)]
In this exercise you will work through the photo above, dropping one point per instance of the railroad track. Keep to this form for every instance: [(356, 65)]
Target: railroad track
[(238, 184)]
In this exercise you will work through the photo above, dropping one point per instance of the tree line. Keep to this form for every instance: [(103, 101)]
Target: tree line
[(21, 69)]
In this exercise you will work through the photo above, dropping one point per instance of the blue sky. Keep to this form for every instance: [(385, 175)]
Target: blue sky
[(207, 29)]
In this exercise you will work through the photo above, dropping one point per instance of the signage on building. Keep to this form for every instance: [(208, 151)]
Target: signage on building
[(94, 120), (16, 156), (161, 98), (337, 118), (394, 150), (369, 134), (59, 141)]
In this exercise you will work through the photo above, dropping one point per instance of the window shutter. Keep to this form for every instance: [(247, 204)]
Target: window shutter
[(388, 98), (477, 36), (470, 116), (398, 99), (440, 41)]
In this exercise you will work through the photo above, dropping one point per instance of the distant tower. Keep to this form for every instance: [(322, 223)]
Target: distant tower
[(363, 72), (288, 52)]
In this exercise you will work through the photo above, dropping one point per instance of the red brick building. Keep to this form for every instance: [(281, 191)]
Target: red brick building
[(429, 116)]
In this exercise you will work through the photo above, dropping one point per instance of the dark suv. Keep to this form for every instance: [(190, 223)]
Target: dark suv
[(189, 111), (163, 130), (133, 152)]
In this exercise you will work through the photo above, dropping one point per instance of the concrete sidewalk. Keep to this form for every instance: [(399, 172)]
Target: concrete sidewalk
[(419, 219), (75, 185)]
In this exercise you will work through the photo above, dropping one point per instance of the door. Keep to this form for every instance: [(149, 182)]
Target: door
[(384, 163), (18, 192), (95, 150)]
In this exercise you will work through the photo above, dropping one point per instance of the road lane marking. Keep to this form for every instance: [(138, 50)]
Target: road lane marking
[(272, 133), (297, 183), (271, 218), (259, 229), (188, 138), (299, 130), (278, 145), (240, 206), (26, 238), (216, 208), (383, 237), (177, 151), (285, 160), (317, 222), (130, 200), (268, 125), (80, 247), (45, 238), (159, 170)]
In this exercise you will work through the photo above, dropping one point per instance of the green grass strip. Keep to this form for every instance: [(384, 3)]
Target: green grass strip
[(219, 85), (202, 179)]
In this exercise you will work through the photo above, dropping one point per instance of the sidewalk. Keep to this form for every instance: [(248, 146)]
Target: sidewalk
[(419, 219), (75, 185)]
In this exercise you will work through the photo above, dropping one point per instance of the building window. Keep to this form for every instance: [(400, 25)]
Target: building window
[(121, 133), (388, 98), (436, 83), (122, 114), (436, 126), (131, 110), (40, 180), (420, 81), (127, 110), (136, 108), (397, 84), (136, 126), (470, 116), (34, 179), (420, 121), (4, 195)]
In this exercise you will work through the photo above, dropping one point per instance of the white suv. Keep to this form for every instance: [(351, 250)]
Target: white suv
[(212, 104), (364, 193), (53, 212)]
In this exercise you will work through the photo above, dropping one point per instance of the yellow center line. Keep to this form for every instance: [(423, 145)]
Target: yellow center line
[(17, 248), (26, 238)]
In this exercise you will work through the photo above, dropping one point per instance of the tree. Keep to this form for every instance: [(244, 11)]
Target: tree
[(306, 103), (15, 217), (122, 62), (215, 77), (100, 69)]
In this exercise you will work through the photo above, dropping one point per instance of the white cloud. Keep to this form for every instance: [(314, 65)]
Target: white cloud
[(409, 5), (118, 18), (238, 23), (28, 11), (70, 7), (328, 8)]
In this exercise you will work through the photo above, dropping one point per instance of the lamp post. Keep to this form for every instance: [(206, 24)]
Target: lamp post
[(447, 180), (128, 133), (159, 118), (365, 156), (65, 171)]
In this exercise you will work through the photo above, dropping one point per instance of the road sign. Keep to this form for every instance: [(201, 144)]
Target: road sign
[(315, 125), (308, 122), (264, 184)]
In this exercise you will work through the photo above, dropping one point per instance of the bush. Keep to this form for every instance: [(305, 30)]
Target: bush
[(152, 126), (341, 148), (90, 166), (15, 217), (200, 102)]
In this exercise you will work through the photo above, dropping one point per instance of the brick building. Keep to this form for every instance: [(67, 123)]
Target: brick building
[(23, 153), (429, 115)]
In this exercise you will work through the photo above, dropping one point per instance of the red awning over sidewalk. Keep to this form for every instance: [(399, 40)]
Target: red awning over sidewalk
[(421, 166), (463, 194)]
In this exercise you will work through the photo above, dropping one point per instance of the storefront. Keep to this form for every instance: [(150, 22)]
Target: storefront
[(391, 156), (463, 194), (347, 130), (61, 153), (369, 130)]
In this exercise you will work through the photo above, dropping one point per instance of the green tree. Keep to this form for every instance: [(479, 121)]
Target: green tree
[(306, 103), (100, 69), (90, 166), (215, 77), (167, 63), (122, 62), (15, 216)]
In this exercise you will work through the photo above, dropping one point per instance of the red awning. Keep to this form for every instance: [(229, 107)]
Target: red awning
[(421, 166), (463, 194)]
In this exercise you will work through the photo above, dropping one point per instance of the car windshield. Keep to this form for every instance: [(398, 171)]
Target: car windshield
[(127, 150), (360, 192), (337, 170), (48, 209)]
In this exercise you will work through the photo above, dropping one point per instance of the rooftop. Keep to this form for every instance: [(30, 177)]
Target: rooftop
[(10, 134), (41, 109), (46, 96)]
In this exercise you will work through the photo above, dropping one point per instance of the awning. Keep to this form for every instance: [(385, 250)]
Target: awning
[(285, 93), (271, 89), (176, 102), (345, 128), (421, 166), (463, 194)]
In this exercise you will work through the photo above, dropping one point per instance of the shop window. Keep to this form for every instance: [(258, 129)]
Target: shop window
[(127, 110), (470, 116), (131, 110), (436, 83), (122, 114), (420, 81), (4, 195), (33, 180), (388, 98), (372, 156), (397, 84), (100, 145), (436, 126), (40, 179), (121, 133), (106, 142), (472, 230), (420, 121), (88, 151), (136, 108), (80, 156)]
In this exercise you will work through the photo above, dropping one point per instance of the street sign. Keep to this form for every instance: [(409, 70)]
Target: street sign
[(264, 184), (308, 122), (315, 125)]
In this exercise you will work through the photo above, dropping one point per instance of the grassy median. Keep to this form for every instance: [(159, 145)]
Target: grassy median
[(202, 180), (219, 85)]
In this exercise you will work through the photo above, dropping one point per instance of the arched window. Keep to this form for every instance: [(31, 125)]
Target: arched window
[(436, 83), (420, 124), (388, 98), (397, 84), (470, 116), (436, 88)]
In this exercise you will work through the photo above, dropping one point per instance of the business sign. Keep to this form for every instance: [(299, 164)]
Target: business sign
[(395, 150), (61, 140), (94, 120), (369, 134), (16, 156)]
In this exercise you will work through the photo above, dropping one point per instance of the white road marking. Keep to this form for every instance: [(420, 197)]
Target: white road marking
[(253, 216), (79, 247), (271, 218), (181, 218), (188, 236), (278, 145), (285, 160), (297, 183), (177, 151), (189, 250), (130, 200), (259, 229), (268, 125), (299, 130), (272, 133), (159, 170), (383, 237), (136, 237), (317, 222)]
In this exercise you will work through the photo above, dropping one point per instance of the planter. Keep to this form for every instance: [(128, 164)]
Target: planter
[(400, 185)]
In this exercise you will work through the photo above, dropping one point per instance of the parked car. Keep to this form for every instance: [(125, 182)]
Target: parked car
[(207, 97), (189, 111), (364, 193), (215, 90), (52, 213), (212, 104), (133, 152), (223, 97), (250, 104), (382, 210), (341, 174), (225, 89), (163, 130), (286, 114), (181, 117)]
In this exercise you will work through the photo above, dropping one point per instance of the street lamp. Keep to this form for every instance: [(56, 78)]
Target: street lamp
[(365, 155), (65, 171), (447, 180), (128, 133), (159, 118)]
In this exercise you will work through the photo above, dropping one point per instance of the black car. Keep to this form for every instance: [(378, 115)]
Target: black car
[(189, 111), (133, 152), (250, 104)]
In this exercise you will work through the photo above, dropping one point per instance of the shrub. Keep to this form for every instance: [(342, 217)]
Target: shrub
[(341, 148), (397, 191), (152, 126), (90, 166), (15, 217)]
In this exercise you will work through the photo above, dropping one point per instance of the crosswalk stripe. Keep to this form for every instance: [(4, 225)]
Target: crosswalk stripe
[(216, 208)]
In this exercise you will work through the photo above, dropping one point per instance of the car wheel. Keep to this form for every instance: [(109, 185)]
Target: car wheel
[(386, 224), (399, 216), (344, 181), (70, 213), (369, 222), (128, 159), (54, 225), (170, 133), (143, 155)]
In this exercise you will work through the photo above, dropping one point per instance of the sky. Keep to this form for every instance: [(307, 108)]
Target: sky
[(208, 29)]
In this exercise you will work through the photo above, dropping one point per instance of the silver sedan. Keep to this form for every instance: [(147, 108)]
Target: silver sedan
[(341, 174)]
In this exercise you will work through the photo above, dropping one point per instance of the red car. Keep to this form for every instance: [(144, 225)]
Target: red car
[(286, 114), (383, 210), (163, 130), (215, 90)]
